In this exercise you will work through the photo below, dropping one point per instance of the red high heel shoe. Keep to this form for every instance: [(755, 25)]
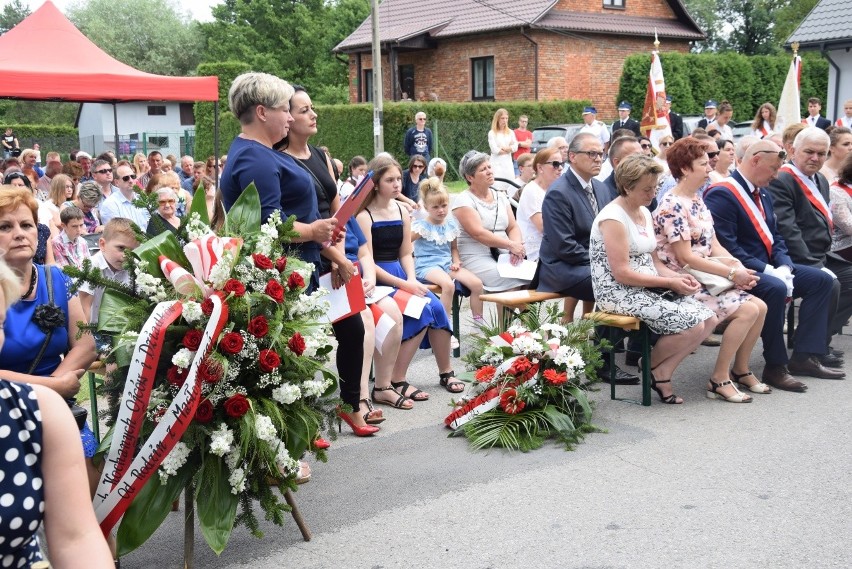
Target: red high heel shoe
[(321, 444), (365, 431)]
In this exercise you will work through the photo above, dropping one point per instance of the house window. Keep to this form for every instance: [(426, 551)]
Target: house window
[(368, 85), (615, 4), (158, 141), (406, 81), (482, 71), (187, 114), (156, 110)]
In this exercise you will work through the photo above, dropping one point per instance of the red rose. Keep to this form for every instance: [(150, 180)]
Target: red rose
[(295, 281), (176, 376), (275, 291), (261, 261), (485, 374), (231, 343), (268, 360), (510, 403), (297, 344), (281, 264), (258, 326), (555, 378), (192, 339), (210, 371), (207, 306), (204, 412), (236, 405), (234, 286)]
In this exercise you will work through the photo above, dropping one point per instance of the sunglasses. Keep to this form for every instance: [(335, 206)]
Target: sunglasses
[(169, 202), (128, 177), (645, 146), (557, 164), (102, 171), (418, 166), (666, 144), (782, 154), (712, 154), (593, 154)]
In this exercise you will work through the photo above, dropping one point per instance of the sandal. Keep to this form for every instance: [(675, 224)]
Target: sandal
[(738, 397), (669, 400), (399, 403), (448, 383), (373, 416), (404, 385), (758, 387), (304, 474)]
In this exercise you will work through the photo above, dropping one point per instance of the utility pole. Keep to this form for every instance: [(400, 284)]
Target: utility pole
[(378, 107)]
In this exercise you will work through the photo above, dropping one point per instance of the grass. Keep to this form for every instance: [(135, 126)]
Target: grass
[(456, 187)]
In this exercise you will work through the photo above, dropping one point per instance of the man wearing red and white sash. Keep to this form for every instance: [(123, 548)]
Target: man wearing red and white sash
[(800, 195), (846, 119), (744, 220)]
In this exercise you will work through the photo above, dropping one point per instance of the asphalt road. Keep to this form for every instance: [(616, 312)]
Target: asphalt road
[(701, 485)]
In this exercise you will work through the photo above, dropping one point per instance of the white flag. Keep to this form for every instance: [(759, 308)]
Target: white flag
[(789, 107)]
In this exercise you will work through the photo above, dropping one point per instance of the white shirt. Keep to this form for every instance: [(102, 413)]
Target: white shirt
[(531, 199), (119, 206), (119, 276), (599, 129)]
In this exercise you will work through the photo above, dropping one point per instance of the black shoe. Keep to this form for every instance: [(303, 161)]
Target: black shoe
[(621, 376), (830, 360), (835, 352), (631, 359)]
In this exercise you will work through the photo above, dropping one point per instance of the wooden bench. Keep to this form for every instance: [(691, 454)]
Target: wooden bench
[(517, 300), (629, 324)]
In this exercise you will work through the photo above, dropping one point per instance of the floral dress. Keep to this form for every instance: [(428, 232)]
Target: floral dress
[(662, 315), (683, 219)]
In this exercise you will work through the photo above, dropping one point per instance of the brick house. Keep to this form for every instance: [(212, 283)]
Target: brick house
[(537, 50)]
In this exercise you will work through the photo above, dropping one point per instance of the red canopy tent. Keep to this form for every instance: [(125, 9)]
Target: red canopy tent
[(46, 58)]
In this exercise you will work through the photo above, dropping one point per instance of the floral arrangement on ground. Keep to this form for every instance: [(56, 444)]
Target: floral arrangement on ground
[(216, 375), (529, 383)]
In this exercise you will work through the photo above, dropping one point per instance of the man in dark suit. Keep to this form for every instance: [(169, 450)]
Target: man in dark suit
[(813, 118), (675, 120), (800, 198), (744, 220), (624, 120), (710, 108), (620, 149), (569, 208)]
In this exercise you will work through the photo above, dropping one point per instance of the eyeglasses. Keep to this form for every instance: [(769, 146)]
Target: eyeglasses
[(128, 177), (645, 146), (782, 154), (169, 202), (557, 164), (666, 144), (593, 154), (102, 171), (712, 154)]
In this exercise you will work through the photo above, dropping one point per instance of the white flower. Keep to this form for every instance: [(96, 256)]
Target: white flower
[(526, 344), (569, 357), (192, 312), (195, 228), (221, 271), (286, 464), (221, 440), (173, 461), (516, 330), (237, 480), (183, 358), (555, 330), (313, 388), (264, 428), (286, 393), (232, 459)]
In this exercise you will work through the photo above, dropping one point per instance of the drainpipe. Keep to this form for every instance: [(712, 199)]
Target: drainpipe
[(836, 80), (535, 62)]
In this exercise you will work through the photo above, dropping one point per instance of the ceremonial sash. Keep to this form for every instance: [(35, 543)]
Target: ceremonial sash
[(755, 216), (844, 121), (811, 193), (764, 130), (843, 187)]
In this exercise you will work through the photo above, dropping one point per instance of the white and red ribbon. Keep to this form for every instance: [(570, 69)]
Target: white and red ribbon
[(751, 209), (811, 191)]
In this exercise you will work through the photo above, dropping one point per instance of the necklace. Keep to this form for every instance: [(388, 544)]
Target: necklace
[(33, 280)]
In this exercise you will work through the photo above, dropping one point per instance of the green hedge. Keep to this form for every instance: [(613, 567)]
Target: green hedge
[(39, 131), (746, 81)]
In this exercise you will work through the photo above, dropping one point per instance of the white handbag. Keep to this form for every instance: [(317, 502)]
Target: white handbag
[(714, 284)]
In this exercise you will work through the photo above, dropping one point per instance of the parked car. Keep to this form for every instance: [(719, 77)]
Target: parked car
[(690, 123), (741, 129), (543, 134)]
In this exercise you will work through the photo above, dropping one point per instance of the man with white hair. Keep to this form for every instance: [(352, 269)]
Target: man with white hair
[(186, 173), (742, 146), (418, 139), (745, 223), (800, 196), (560, 143)]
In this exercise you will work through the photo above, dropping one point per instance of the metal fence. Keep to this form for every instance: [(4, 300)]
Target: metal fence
[(177, 143), (454, 138)]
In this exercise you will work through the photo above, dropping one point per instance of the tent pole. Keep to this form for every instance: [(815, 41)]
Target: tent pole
[(216, 140), (115, 126)]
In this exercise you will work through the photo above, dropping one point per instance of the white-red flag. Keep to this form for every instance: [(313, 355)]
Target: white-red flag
[(789, 106), (655, 124), (384, 324)]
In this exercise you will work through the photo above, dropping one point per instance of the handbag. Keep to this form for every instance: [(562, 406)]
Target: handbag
[(714, 284)]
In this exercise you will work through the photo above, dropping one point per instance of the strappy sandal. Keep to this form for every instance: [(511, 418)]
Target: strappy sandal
[(404, 385), (738, 397), (758, 387), (669, 400), (399, 403), (448, 383), (373, 416)]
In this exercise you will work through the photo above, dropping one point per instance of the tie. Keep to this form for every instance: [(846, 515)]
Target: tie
[(592, 200), (756, 194)]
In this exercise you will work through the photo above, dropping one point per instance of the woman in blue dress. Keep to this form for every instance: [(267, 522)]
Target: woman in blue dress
[(388, 229)]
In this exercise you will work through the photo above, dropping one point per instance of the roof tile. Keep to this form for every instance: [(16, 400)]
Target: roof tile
[(827, 22)]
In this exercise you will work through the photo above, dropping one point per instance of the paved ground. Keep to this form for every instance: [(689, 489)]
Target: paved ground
[(701, 485)]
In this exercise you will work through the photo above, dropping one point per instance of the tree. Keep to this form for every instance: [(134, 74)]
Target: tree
[(12, 15), (150, 35), (788, 17)]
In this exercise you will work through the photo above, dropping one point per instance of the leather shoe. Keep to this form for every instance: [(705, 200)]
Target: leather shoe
[(830, 360), (621, 376), (835, 352), (778, 377), (812, 368)]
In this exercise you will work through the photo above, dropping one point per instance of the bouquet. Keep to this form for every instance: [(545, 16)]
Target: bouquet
[(218, 382), (528, 384)]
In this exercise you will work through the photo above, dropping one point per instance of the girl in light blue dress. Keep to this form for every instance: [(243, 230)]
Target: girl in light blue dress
[(436, 256)]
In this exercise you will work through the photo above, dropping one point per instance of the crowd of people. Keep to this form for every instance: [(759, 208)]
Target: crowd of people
[(696, 235)]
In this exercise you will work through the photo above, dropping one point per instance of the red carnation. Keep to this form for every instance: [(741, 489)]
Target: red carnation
[(210, 371), (295, 281), (520, 366), (231, 343), (485, 374), (296, 344), (234, 286), (207, 306), (192, 339), (510, 403), (236, 405), (258, 327), (268, 360), (176, 376), (281, 264), (555, 378), (261, 261), (204, 412), (275, 291)]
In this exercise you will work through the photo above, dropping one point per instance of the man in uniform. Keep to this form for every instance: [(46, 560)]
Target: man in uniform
[(709, 114), (624, 120), (595, 127)]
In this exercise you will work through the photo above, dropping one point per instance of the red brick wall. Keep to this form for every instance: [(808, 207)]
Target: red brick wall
[(646, 8)]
